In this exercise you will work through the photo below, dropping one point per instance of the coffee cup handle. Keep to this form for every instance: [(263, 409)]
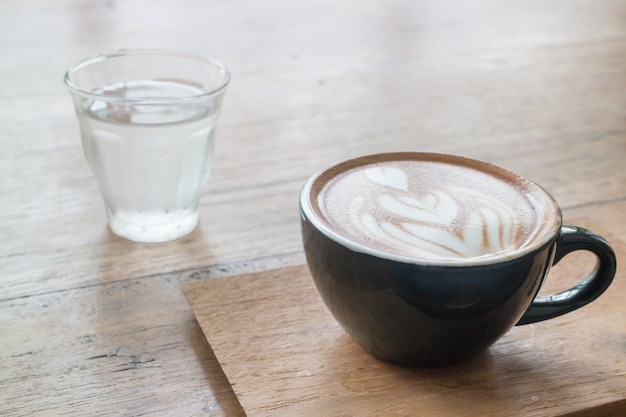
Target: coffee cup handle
[(573, 238)]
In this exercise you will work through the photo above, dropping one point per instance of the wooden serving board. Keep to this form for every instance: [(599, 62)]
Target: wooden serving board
[(285, 355)]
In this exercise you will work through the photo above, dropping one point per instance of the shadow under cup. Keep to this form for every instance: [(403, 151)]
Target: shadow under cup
[(425, 312)]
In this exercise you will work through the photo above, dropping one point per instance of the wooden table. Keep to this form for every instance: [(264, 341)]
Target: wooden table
[(91, 324)]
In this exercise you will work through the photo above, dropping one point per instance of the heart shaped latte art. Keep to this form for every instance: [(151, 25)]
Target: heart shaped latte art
[(455, 222)]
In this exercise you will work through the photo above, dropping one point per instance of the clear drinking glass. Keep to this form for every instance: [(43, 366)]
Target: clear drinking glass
[(147, 120)]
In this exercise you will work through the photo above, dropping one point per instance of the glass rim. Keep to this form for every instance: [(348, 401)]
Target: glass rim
[(75, 88)]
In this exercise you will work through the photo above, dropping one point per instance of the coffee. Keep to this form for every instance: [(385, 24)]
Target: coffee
[(428, 259), (432, 207)]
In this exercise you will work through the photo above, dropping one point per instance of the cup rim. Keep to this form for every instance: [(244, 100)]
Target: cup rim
[(75, 88), (310, 214)]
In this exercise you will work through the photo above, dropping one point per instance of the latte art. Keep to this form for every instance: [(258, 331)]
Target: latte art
[(429, 209), (437, 222)]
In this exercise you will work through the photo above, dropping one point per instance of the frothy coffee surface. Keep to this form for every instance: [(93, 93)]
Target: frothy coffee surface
[(431, 209)]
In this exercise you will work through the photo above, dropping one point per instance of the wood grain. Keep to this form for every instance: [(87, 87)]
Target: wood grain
[(538, 87), (285, 355)]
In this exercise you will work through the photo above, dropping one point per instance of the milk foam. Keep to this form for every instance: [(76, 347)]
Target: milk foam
[(430, 210)]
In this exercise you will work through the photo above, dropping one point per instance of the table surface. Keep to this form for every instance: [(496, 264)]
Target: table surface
[(92, 324)]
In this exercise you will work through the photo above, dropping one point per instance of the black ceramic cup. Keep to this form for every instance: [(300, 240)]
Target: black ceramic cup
[(462, 282)]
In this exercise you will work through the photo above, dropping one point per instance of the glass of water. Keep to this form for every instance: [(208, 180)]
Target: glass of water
[(147, 120)]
